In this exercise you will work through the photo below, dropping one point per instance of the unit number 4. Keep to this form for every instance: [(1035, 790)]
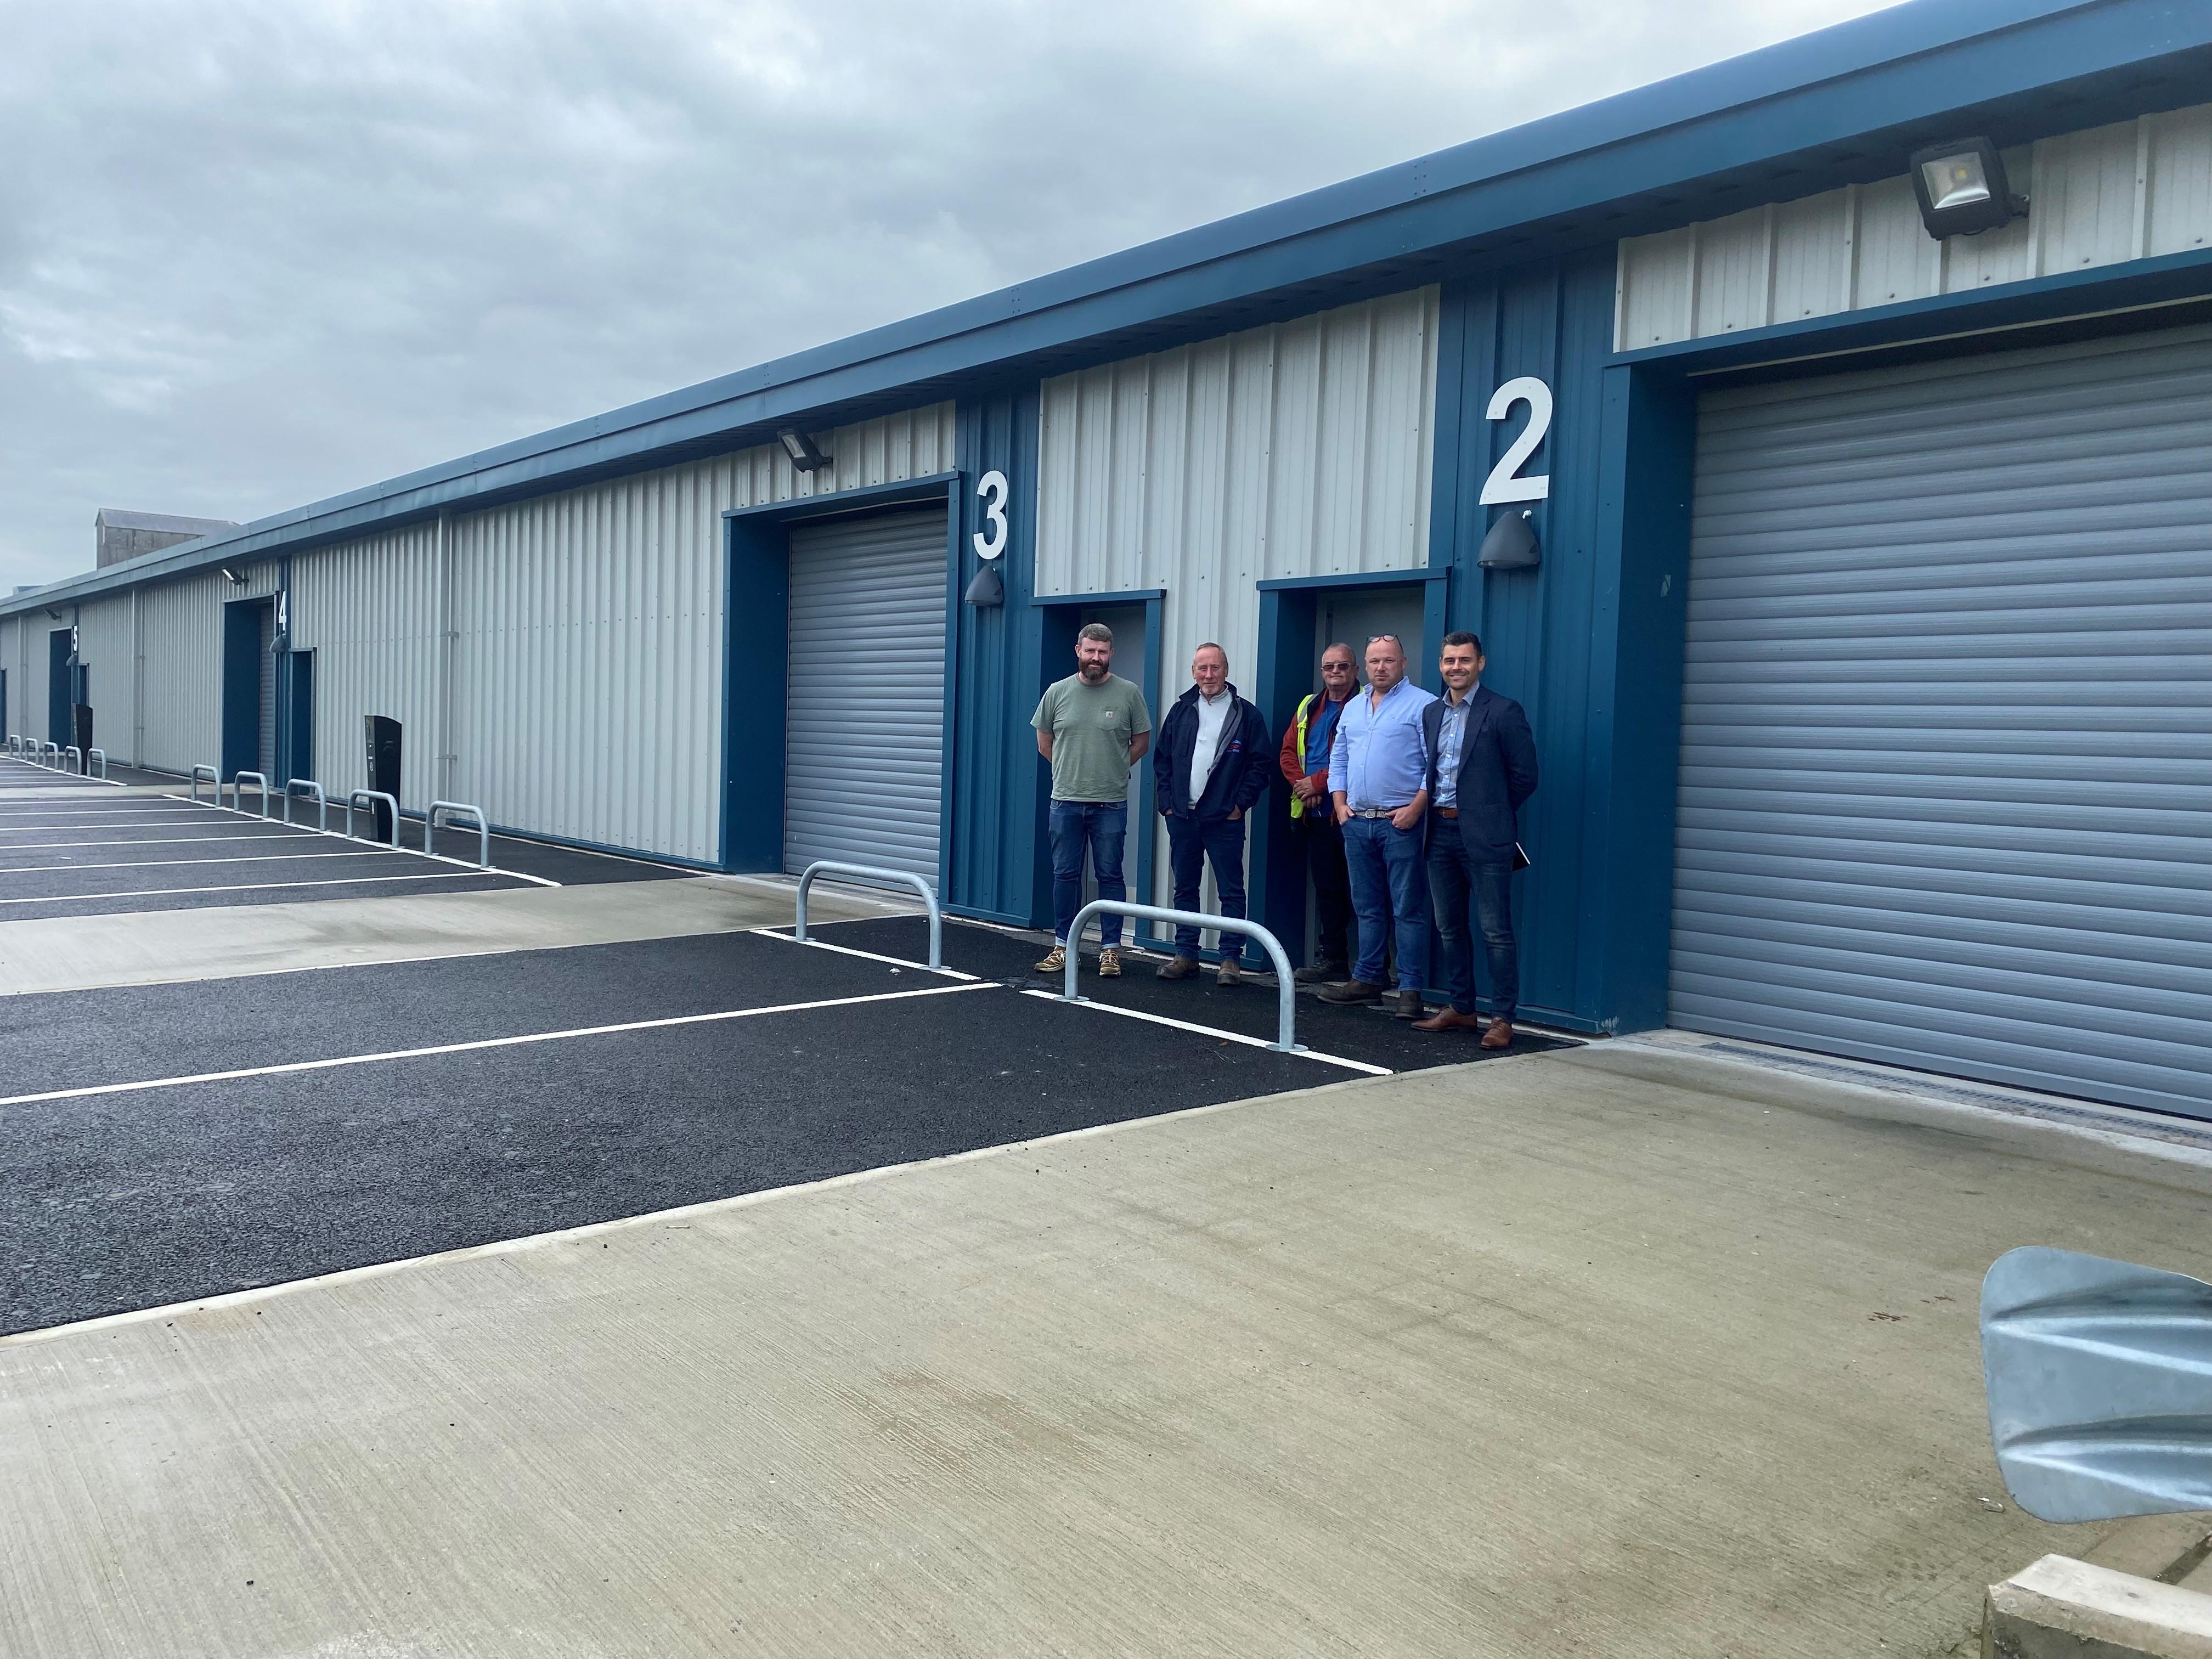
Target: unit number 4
[(1502, 485), (992, 486)]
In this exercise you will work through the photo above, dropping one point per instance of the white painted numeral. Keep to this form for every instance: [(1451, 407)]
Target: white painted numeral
[(992, 486), (1501, 485)]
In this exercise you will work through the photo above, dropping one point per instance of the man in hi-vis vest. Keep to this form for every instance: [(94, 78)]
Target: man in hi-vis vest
[(1305, 765)]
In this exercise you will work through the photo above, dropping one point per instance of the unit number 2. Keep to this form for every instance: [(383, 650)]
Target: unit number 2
[(992, 488), (1502, 484)]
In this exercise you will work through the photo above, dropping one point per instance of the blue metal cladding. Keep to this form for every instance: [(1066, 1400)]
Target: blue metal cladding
[(1559, 639), (997, 862)]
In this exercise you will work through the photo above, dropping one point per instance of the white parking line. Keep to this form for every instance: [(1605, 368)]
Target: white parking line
[(40, 828), (1212, 1031), (165, 864), (255, 886), (291, 1066), (868, 956), (157, 841)]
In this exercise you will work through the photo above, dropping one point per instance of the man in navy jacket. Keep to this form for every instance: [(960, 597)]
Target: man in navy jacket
[(1211, 765), (1482, 765)]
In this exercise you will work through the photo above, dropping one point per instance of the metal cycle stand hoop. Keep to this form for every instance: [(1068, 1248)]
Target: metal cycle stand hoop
[(1286, 996), (100, 755), (902, 877), (430, 829), (238, 791), (374, 795), (213, 777), (322, 801), (75, 755)]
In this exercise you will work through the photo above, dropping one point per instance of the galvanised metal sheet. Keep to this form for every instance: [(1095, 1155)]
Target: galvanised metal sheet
[(180, 646), (1299, 449), (2101, 196), (369, 611), (864, 746), (104, 646), (1946, 789)]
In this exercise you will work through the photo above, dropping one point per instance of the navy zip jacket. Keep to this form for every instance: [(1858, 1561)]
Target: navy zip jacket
[(1240, 771)]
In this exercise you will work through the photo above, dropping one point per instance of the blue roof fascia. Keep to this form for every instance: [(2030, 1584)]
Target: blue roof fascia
[(1906, 64)]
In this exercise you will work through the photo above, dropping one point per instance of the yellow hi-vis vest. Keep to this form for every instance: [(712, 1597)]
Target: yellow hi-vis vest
[(1305, 709)]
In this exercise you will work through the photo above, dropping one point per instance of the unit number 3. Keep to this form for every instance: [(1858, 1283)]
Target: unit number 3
[(992, 488), (1502, 485)]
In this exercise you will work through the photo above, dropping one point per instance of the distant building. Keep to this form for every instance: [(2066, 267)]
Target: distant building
[(127, 535)]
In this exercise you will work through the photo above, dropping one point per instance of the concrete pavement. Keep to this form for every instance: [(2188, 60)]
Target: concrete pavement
[(1597, 1352)]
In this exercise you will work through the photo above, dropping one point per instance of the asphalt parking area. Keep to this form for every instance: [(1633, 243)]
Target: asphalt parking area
[(170, 1142), (88, 853)]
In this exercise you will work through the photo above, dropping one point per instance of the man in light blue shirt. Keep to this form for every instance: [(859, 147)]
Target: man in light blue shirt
[(1378, 773)]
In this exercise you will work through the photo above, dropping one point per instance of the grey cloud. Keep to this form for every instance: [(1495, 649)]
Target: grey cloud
[(256, 251)]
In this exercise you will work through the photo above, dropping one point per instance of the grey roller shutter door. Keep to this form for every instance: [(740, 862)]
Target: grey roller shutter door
[(1945, 791), (863, 768)]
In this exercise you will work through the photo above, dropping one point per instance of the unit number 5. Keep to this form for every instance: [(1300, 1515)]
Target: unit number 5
[(1502, 485), (992, 486)]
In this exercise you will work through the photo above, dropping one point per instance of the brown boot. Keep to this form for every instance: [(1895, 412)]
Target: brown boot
[(1352, 990), (1499, 1036), (1449, 1018)]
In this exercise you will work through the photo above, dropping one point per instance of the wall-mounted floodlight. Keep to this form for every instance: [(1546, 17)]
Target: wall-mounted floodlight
[(804, 454), (1962, 189), (1511, 544), (236, 578), (986, 590)]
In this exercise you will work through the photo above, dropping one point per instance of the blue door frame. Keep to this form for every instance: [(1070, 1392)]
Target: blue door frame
[(756, 661), (1289, 611)]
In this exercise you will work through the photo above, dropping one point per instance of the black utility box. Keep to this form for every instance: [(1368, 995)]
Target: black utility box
[(381, 733), (80, 733)]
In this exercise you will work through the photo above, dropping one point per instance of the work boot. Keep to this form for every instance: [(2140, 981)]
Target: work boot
[(1231, 972), (1499, 1036), (1352, 990), (1322, 973), (1409, 1005), (1054, 961), (1450, 1020), (1178, 967), (1109, 962)]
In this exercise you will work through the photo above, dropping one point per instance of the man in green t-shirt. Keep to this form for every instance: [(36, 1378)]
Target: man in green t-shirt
[(1093, 727)]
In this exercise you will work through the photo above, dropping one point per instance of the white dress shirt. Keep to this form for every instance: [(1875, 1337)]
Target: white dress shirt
[(1205, 752)]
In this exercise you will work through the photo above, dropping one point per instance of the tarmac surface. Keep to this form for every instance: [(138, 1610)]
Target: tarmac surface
[(1593, 1352)]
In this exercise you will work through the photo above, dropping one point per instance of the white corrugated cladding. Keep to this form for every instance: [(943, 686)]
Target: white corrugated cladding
[(864, 751), (104, 646), (181, 643), (369, 611), (587, 674), (1298, 449), (11, 662), (2132, 191), (1946, 793)]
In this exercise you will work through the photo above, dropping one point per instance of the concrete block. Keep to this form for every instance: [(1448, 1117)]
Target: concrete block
[(2061, 1608)]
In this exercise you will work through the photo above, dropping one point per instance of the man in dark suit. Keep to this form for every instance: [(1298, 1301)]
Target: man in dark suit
[(1482, 765)]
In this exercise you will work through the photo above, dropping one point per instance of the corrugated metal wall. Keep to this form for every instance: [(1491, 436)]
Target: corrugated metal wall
[(104, 646), (1298, 449), (587, 668), (180, 643), (2132, 191), (13, 633), (369, 611)]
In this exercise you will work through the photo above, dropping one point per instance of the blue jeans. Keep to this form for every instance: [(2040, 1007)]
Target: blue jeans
[(1474, 898), (1192, 843), (1100, 826), (1388, 896)]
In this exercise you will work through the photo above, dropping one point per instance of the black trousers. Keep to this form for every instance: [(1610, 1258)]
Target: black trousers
[(1324, 844)]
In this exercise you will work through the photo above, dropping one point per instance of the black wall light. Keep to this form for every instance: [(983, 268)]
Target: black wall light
[(1511, 544), (1962, 188), (986, 590), (803, 453)]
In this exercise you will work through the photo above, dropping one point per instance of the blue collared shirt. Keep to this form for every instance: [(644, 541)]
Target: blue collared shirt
[(1451, 737), (1378, 757)]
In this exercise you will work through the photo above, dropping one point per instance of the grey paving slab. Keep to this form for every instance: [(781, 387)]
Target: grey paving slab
[(1585, 1353)]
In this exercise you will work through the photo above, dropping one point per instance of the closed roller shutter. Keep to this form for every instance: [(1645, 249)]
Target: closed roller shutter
[(1947, 754), (864, 736)]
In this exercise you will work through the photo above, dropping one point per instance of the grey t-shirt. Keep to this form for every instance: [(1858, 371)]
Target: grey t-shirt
[(1092, 728)]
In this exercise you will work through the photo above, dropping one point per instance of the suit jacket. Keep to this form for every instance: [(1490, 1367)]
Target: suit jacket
[(1497, 773)]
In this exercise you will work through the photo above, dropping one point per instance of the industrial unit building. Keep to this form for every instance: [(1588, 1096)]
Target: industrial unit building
[(1869, 645)]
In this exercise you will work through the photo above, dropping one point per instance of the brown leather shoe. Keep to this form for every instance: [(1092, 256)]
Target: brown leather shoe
[(1352, 990), (1499, 1036), (1449, 1018)]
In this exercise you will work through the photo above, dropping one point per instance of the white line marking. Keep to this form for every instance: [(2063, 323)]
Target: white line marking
[(848, 951), (252, 887), (36, 829), (149, 840), (166, 863), (1207, 1030), (336, 835), (290, 1067)]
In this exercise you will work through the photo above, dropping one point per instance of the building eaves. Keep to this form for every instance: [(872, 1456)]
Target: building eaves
[(1793, 115)]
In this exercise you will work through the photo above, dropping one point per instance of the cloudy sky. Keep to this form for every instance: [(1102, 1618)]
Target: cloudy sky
[(253, 253)]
